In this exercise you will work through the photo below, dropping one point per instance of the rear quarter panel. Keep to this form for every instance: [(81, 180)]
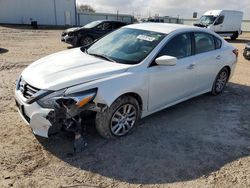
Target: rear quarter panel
[(228, 57)]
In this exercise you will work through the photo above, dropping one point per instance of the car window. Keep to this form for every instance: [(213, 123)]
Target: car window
[(92, 24), (107, 26), (203, 43), (179, 47), (218, 43), (100, 27), (117, 25)]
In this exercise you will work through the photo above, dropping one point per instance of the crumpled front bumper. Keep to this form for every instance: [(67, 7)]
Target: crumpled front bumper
[(34, 115), (69, 39)]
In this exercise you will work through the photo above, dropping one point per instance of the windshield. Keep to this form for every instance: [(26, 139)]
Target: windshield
[(127, 46), (206, 20), (92, 24)]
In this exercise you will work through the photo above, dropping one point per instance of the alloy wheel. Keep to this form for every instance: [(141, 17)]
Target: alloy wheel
[(123, 119), (221, 81)]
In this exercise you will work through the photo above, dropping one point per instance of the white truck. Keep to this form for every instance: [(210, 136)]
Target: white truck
[(226, 23)]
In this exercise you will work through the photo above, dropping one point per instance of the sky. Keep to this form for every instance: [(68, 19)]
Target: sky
[(181, 8)]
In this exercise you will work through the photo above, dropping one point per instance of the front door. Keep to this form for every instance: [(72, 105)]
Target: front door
[(169, 84)]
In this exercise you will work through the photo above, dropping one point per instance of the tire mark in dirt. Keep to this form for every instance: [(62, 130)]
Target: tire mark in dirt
[(9, 66)]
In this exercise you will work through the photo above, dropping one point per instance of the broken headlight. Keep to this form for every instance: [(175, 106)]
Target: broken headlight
[(78, 99)]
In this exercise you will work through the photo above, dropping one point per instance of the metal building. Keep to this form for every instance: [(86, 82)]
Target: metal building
[(86, 17), (45, 12)]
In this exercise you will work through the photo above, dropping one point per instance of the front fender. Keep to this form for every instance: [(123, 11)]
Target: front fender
[(111, 88)]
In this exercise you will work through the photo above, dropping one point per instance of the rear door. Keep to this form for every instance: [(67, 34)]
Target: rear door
[(208, 57)]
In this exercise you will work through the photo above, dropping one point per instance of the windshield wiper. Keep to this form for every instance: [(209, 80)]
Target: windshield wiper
[(101, 56), (199, 25)]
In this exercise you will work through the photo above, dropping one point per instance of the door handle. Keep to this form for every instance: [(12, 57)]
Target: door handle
[(191, 66), (218, 57)]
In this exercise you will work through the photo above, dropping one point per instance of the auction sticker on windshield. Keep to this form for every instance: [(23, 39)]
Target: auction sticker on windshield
[(145, 37)]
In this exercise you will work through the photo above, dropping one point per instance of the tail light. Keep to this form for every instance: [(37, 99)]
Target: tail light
[(236, 52)]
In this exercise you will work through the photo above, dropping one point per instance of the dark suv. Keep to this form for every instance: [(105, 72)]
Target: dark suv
[(81, 36)]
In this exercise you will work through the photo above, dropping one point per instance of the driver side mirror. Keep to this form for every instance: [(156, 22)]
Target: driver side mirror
[(166, 60)]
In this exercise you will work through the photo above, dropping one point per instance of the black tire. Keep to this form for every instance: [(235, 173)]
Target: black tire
[(235, 35), (104, 119), (86, 40), (220, 81)]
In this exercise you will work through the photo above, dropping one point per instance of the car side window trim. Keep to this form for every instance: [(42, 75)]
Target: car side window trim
[(215, 42), (192, 43)]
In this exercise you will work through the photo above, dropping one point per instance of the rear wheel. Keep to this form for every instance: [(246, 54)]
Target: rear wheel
[(119, 119), (220, 81), (235, 35)]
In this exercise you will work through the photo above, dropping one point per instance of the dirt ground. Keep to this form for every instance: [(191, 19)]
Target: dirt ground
[(203, 142)]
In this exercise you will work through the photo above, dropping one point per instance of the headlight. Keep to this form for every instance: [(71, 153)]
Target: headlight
[(78, 99), (49, 100)]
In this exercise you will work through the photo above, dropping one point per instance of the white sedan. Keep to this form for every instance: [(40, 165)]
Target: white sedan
[(127, 75)]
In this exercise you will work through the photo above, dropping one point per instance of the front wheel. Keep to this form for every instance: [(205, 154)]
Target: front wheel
[(220, 81), (119, 119)]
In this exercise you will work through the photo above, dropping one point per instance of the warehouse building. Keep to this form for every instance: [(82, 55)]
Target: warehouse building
[(45, 12), (50, 12), (84, 18)]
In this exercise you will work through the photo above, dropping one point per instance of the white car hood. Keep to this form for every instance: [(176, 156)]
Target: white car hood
[(68, 68)]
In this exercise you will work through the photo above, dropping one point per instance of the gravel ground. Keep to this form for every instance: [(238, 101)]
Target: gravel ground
[(203, 142)]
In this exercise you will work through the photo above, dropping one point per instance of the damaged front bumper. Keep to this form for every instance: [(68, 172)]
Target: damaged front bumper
[(50, 113), (69, 39), (33, 115)]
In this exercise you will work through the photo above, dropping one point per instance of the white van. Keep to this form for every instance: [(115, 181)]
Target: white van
[(226, 23)]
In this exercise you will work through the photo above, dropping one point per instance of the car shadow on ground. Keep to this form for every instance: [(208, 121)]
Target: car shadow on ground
[(181, 143), (3, 50)]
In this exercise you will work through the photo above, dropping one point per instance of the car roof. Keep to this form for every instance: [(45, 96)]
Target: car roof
[(111, 21), (165, 28)]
